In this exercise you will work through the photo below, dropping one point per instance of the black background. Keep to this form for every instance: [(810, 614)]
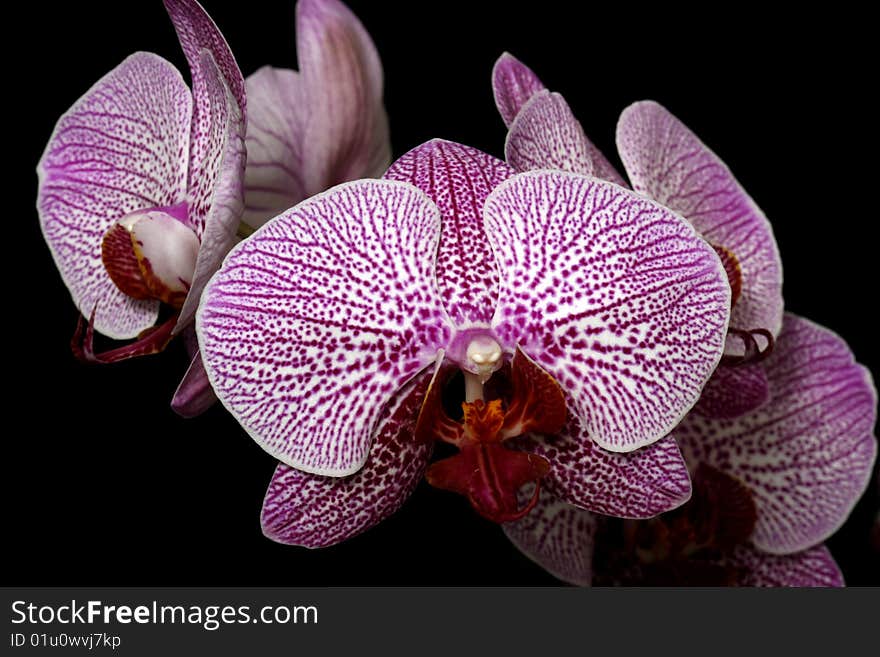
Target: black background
[(106, 486)]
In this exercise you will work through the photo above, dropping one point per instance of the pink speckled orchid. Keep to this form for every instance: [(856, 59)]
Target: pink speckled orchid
[(331, 333), (668, 163), (140, 189), (322, 125), (770, 485)]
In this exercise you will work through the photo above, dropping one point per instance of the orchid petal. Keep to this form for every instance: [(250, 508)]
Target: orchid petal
[(120, 148), (670, 164), (315, 321), (315, 511), (813, 567), (458, 179), (613, 295), (806, 455), (732, 391), (639, 484), (225, 145), (199, 35), (346, 126), (196, 32), (194, 394), (276, 114), (559, 538), (513, 83), (545, 135)]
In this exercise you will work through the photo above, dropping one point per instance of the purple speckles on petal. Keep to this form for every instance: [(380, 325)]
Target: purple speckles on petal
[(122, 147), (224, 143), (732, 391), (667, 162), (315, 321), (615, 296), (639, 484), (459, 179), (809, 568), (545, 135), (513, 83), (315, 511), (806, 454), (559, 538)]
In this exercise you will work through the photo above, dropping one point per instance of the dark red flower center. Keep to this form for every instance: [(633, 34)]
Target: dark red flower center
[(524, 399)]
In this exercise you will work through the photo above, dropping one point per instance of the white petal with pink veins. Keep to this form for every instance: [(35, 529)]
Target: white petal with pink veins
[(615, 296), (806, 454), (315, 321), (122, 147)]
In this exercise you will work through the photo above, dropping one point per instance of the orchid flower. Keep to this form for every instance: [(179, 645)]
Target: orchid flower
[(140, 188), (331, 332), (668, 163), (307, 131), (322, 125), (770, 485)]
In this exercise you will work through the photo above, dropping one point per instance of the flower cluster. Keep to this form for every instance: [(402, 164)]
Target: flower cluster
[(600, 364)]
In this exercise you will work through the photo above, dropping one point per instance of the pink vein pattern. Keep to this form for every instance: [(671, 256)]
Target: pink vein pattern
[(615, 296), (513, 83), (668, 163), (813, 567), (559, 538), (638, 484), (545, 135), (732, 391), (215, 206), (315, 511), (321, 126), (806, 455), (317, 319), (122, 147), (459, 179)]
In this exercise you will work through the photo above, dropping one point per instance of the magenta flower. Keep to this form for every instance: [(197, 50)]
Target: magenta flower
[(322, 125), (330, 333), (770, 485), (140, 189), (668, 163)]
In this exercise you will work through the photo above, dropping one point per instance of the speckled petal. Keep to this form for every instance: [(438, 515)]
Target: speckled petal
[(199, 35), (315, 511), (558, 537), (317, 319), (513, 83), (196, 32), (806, 455), (274, 175), (458, 179), (615, 296), (545, 135), (225, 145), (667, 162), (346, 126), (120, 148), (814, 567), (732, 391), (639, 484)]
